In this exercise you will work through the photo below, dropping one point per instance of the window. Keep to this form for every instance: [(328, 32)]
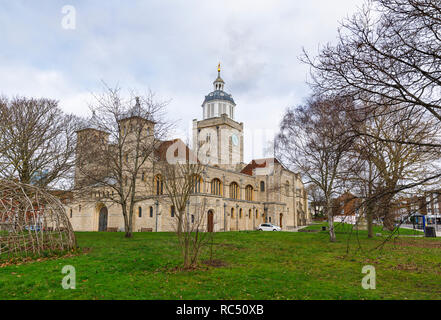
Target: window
[(79, 208), (192, 218), (216, 187), (148, 131), (287, 188), (140, 212), (159, 184), (249, 193), (172, 211), (262, 186), (151, 212), (269, 220), (240, 214), (249, 214), (234, 190), (232, 213), (143, 176), (71, 213), (197, 184), (257, 213)]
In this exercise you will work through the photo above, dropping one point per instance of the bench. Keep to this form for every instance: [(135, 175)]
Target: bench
[(112, 229), (146, 229)]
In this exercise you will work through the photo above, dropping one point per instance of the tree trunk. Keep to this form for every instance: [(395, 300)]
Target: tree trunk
[(370, 220), (127, 223), (330, 221)]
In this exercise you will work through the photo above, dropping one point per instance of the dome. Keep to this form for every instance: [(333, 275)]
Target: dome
[(219, 95)]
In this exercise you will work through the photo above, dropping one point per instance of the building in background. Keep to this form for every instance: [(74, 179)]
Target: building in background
[(237, 196)]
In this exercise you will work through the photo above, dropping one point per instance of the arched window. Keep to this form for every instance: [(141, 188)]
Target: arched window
[(216, 187), (232, 213), (234, 190), (249, 193), (172, 211), (140, 212), (197, 184), (151, 212), (262, 186), (240, 213), (249, 214), (257, 213), (159, 185)]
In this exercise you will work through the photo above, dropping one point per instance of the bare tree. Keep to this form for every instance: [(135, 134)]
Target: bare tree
[(317, 200), (314, 140), (182, 177), (386, 163), (388, 61), (388, 54), (116, 150), (39, 141)]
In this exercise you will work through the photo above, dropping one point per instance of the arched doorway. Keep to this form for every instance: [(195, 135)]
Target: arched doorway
[(281, 220), (210, 222), (102, 222)]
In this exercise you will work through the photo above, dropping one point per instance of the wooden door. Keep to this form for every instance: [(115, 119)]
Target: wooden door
[(210, 222)]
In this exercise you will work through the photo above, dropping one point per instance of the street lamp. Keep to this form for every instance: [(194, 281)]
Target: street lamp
[(188, 215), (225, 217), (237, 217), (254, 217), (157, 206)]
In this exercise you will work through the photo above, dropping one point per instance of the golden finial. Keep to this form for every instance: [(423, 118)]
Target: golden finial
[(218, 67)]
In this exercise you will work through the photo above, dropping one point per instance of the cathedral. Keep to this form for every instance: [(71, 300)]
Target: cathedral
[(236, 195)]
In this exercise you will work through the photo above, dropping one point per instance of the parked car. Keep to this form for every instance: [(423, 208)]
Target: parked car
[(268, 227)]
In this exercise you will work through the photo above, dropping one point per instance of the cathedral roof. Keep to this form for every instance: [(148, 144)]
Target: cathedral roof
[(219, 95), (162, 148), (260, 163)]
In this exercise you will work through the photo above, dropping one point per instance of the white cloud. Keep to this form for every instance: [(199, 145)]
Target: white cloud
[(171, 47)]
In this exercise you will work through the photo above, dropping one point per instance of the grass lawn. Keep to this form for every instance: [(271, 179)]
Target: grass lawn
[(259, 265)]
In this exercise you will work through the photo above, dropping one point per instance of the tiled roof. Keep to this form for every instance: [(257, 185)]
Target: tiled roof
[(161, 150), (258, 163)]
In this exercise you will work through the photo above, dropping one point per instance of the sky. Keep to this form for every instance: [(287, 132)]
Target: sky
[(65, 50)]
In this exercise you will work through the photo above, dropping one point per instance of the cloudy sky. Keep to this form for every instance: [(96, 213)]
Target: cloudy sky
[(172, 48)]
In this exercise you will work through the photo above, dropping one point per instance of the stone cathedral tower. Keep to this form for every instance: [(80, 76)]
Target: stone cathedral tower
[(218, 138)]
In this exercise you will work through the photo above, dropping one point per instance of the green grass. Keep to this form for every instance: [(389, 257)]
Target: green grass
[(260, 265)]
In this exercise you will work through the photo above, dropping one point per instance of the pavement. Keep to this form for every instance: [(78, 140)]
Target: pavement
[(438, 232), (298, 228)]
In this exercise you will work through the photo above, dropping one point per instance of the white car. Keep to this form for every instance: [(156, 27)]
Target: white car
[(268, 227)]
